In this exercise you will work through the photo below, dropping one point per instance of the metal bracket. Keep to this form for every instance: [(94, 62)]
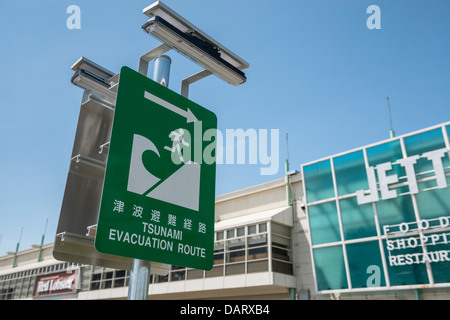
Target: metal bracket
[(88, 160), (161, 49), (149, 56), (104, 147), (190, 80)]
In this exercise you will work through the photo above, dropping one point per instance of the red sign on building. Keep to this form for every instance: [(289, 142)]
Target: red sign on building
[(56, 283)]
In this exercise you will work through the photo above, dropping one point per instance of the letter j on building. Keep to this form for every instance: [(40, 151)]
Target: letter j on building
[(158, 195)]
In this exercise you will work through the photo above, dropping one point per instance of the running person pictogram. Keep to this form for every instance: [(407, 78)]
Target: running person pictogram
[(177, 139)]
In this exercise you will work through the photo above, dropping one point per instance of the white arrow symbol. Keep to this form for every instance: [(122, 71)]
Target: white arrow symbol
[(186, 114)]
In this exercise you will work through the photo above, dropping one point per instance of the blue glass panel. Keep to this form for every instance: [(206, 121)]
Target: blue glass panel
[(447, 164), (424, 142), (404, 273), (318, 181), (358, 220), (421, 143), (364, 261), (386, 152), (448, 131), (434, 203), (441, 272), (395, 211), (350, 172), (324, 224), (330, 268)]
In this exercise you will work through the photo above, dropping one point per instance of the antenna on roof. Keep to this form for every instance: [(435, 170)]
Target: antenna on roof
[(391, 131), (287, 152), (42, 241), (288, 193), (17, 249)]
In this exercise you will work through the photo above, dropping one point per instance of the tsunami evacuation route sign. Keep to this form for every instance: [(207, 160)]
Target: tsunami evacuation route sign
[(159, 190)]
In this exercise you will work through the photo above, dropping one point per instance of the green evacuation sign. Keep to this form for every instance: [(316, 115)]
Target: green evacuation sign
[(159, 189)]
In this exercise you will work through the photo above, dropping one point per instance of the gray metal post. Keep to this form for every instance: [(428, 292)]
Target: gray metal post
[(140, 269), (162, 70), (139, 280)]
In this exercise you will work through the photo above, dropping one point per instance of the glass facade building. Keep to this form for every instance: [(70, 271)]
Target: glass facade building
[(382, 211)]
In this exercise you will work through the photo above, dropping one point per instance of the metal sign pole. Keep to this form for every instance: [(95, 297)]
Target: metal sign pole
[(139, 280), (140, 269)]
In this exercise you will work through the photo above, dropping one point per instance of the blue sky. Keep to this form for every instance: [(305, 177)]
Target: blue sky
[(316, 72)]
